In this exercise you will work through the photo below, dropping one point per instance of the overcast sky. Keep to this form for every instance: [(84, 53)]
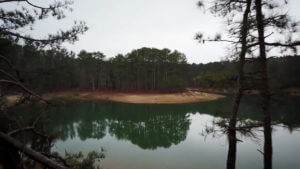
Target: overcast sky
[(119, 26)]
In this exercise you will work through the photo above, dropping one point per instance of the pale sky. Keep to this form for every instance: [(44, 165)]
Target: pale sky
[(119, 26)]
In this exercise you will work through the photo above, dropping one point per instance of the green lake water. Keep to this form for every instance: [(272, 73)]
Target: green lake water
[(138, 136)]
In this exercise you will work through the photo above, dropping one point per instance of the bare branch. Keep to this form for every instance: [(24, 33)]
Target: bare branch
[(11, 66), (293, 44), (24, 88), (32, 127), (29, 38), (36, 5), (221, 40), (20, 130), (8, 75), (4, 1)]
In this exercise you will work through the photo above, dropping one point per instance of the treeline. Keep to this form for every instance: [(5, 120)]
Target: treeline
[(141, 69), (145, 69), (59, 69), (283, 74)]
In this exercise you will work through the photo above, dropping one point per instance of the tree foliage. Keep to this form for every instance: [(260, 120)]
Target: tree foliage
[(26, 14)]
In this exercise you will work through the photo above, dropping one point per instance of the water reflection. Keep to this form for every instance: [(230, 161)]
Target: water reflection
[(150, 127), (153, 126), (155, 131)]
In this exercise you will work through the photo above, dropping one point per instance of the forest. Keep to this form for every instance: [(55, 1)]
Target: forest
[(39, 131), (145, 69)]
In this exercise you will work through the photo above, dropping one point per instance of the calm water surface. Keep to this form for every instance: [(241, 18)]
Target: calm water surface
[(138, 136)]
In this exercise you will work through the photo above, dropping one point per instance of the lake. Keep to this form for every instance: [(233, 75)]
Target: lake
[(138, 136)]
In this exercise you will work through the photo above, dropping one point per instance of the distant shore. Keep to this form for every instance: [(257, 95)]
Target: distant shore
[(191, 95), (136, 97)]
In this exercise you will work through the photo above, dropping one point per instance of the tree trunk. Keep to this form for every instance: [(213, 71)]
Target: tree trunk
[(93, 83), (264, 88), (1, 99), (231, 157)]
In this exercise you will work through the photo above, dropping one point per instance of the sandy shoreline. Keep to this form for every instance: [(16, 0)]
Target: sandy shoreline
[(138, 98)]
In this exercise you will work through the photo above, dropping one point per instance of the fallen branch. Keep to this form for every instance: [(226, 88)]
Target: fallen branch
[(30, 152)]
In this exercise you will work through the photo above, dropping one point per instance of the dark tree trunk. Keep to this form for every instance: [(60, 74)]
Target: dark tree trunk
[(264, 88), (231, 157), (9, 156), (1, 100)]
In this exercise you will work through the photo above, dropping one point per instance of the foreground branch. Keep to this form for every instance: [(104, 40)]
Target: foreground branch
[(24, 88), (30, 152), (277, 44)]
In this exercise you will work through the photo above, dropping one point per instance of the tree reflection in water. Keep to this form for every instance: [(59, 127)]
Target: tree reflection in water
[(156, 131), (155, 126), (152, 126), (284, 113), (148, 126)]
